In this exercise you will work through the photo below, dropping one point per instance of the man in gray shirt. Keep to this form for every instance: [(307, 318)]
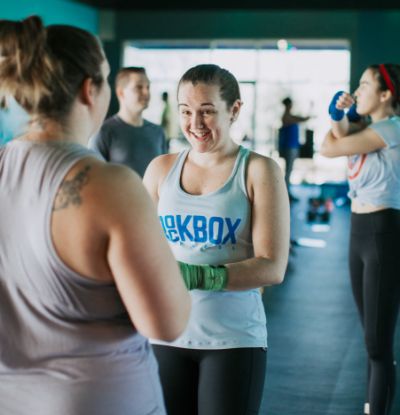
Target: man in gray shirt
[(127, 138)]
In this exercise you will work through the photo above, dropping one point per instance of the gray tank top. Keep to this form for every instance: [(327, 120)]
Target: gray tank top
[(67, 345), (214, 228)]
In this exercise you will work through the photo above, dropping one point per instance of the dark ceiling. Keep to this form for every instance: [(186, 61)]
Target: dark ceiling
[(242, 4)]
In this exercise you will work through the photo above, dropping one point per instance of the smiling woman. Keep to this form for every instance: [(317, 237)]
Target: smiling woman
[(205, 117), (224, 210)]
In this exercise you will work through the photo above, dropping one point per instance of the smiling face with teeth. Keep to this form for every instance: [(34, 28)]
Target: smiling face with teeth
[(205, 117)]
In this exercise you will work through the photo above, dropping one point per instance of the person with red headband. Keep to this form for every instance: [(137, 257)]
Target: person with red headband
[(373, 152)]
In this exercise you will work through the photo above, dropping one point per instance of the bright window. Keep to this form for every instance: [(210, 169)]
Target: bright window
[(309, 73)]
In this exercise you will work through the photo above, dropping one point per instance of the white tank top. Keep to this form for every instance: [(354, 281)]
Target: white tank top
[(214, 229)]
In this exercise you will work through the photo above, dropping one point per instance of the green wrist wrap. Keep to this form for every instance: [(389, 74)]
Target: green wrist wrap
[(204, 277)]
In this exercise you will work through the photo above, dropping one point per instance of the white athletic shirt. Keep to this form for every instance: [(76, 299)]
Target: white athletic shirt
[(214, 229)]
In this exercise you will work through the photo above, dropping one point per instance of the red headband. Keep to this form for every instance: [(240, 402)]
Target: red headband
[(386, 77)]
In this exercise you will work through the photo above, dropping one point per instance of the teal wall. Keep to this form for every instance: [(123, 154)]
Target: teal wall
[(233, 24), (52, 12), (374, 35), (378, 38)]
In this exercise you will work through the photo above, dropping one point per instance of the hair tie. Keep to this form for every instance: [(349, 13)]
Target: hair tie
[(383, 71)]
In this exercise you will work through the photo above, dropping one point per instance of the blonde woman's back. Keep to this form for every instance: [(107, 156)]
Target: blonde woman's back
[(68, 345)]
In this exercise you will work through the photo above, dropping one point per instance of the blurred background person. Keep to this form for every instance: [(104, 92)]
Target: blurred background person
[(289, 140), (166, 118), (126, 137)]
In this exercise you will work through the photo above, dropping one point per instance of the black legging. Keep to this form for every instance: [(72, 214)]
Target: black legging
[(375, 278), (212, 382)]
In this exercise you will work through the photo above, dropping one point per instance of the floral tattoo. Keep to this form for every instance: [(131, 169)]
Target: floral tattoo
[(69, 191)]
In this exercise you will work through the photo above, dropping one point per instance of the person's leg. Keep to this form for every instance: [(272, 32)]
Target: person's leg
[(356, 272), (232, 381), (382, 298), (381, 305), (356, 267), (179, 379), (290, 155)]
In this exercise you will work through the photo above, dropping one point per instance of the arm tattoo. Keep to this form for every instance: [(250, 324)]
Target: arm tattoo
[(69, 191)]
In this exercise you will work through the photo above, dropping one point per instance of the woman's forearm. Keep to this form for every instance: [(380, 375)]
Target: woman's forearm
[(255, 272)]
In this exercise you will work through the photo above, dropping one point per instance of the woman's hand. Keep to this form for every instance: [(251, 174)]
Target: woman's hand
[(340, 101), (345, 100), (340, 124)]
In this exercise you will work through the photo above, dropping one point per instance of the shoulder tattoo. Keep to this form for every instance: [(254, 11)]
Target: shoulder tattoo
[(69, 191)]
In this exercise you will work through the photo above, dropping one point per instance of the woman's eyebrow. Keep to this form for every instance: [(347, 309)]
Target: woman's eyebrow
[(203, 104)]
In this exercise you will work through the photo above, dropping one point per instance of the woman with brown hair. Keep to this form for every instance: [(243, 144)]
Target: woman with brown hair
[(85, 272), (225, 213), (374, 180)]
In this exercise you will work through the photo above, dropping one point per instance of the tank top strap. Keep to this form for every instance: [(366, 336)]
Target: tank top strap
[(174, 175), (240, 169)]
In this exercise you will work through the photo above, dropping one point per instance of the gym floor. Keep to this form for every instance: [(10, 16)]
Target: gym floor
[(316, 356)]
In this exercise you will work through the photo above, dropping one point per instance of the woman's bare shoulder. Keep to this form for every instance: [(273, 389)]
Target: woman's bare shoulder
[(156, 172), (260, 166)]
